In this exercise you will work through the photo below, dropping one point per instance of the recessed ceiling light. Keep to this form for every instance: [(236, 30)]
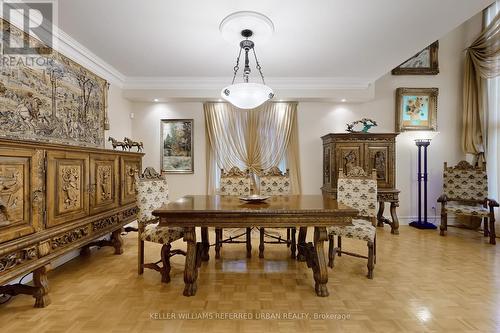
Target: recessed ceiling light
[(156, 100), (343, 100)]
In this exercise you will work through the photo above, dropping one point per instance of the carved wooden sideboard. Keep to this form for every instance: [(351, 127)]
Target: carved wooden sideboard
[(369, 151), (56, 198)]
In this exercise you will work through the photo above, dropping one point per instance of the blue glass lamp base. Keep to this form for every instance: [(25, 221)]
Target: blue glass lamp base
[(422, 225)]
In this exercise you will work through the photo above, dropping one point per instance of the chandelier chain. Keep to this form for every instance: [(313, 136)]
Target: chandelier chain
[(257, 65), (237, 67)]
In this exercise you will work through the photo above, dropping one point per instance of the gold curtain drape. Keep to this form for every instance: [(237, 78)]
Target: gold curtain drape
[(482, 61), (255, 139)]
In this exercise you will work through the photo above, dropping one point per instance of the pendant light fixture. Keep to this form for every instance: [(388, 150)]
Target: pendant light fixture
[(247, 95)]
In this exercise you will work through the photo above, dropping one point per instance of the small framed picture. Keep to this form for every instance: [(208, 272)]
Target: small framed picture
[(423, 63), (416, 109), (177, 145)]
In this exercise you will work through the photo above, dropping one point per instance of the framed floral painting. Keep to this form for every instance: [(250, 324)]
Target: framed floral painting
[(177, 145), (416, 109), (423, 63)]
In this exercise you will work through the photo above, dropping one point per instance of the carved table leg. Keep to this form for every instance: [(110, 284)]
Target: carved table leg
[(218, 239), (249, 242), (41, 282), (321, 272), (395, 220), (190, 268), (380, 214), (205, 243), (293, 245), (493, 235), (301, 256), (261, 242), (117, 240)]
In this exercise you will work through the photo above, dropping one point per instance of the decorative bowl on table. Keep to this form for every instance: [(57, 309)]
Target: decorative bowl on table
[(255, 198)]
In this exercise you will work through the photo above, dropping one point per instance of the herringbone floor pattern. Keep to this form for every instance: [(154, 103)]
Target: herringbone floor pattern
[(423, 283)]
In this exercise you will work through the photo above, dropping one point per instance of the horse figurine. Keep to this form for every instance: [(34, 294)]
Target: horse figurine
[(130, 144), (115, 143), (367, 124)]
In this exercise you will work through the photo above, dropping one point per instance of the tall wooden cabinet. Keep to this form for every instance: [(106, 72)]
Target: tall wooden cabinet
[(369, 151), (57, 198)]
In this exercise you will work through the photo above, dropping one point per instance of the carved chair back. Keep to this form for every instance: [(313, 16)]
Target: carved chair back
[(152, 193), (358, 189), (465, 183), (235, 182), (274, 182)]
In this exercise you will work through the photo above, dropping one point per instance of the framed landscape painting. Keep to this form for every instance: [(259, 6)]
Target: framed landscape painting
[(416, 109), (423, 63), (177, 145)]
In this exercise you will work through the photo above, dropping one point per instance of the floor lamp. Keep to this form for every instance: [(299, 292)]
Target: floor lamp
[(423, 140)]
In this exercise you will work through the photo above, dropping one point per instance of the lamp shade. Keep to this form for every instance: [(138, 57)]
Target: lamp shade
[(424, 135), (247, 95)]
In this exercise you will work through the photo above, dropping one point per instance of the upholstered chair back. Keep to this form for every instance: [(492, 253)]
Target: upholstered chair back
[(358, 190), (274, 182), (465, 182), (152, 193), (235, 182)]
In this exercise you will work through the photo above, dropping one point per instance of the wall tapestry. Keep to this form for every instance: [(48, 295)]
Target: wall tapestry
[(416, 109), (177, 145), (423, 63), (58, 101)]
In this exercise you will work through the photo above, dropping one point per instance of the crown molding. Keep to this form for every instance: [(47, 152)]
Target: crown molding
[(209, 83), (69, 47)]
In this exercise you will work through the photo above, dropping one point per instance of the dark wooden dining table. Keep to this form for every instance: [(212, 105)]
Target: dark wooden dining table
[(285, 211)]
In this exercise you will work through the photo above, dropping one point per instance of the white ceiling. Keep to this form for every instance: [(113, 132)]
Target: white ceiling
[(337, 40)]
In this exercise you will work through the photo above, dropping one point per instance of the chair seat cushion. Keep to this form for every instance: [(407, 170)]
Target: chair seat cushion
[(161, 235), (361, 229), (467, 210)]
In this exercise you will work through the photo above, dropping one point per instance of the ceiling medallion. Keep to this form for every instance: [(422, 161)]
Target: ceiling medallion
[(247, 27)]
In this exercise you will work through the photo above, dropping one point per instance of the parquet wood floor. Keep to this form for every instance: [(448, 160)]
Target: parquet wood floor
[(423, 283)]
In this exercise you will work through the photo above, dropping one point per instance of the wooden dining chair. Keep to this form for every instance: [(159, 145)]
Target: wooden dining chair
[(465, 192), (274, 182), (236, 183), (358, 190), (152, 193)]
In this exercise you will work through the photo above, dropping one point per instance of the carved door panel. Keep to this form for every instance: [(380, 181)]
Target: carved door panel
[(128, 167), (378, 157), (21, 192), (347, 155), (67, 187), (104, 183)]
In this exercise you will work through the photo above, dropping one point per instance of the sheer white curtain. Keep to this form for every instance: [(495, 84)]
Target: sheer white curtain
[(493, 121), (254, 139)]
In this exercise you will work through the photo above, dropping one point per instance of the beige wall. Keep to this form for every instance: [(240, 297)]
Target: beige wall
[(146, 128), (119, 110), (317, 119)]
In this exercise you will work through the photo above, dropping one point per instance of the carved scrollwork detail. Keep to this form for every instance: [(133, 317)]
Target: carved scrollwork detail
[(234, 172), (128, 213), (150, 174), (463, 165), (105, 188), (69, 237), (104, 223), (356, 171), (16, 258), (70, 176), (274, 172)]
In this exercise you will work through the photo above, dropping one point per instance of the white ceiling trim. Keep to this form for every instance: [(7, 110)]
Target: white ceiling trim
[(72, 49), (296, 83)]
